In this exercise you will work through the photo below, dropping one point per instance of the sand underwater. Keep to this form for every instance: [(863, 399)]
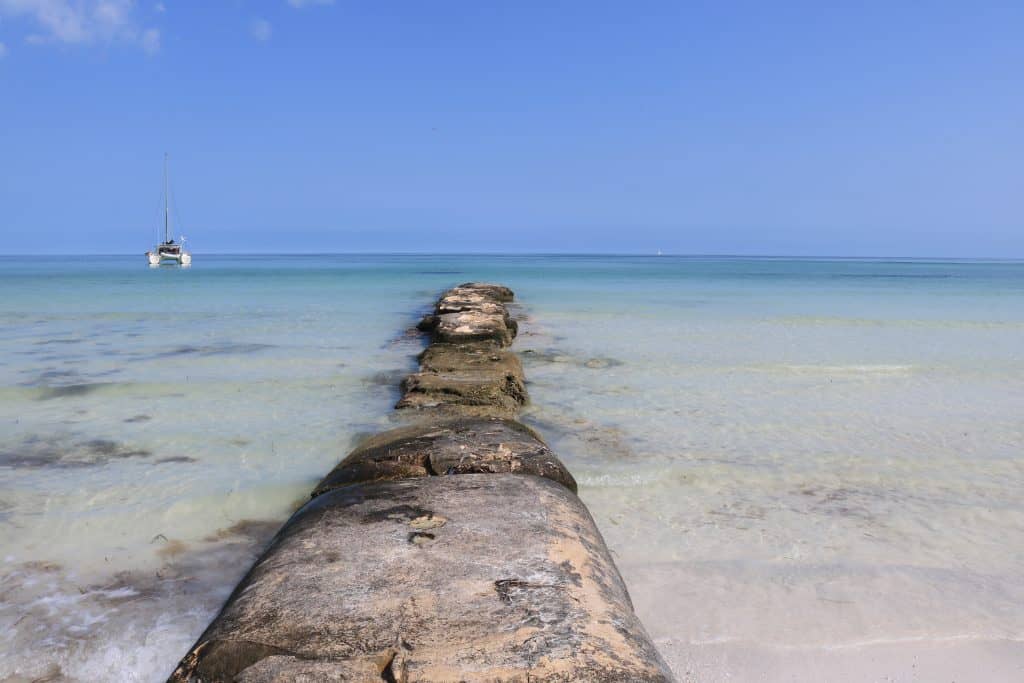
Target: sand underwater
[(805, 469)]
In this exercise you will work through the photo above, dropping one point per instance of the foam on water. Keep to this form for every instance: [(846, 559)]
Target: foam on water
[(789, 459)]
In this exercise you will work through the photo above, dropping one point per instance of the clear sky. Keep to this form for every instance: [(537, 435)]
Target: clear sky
[(804, 128)]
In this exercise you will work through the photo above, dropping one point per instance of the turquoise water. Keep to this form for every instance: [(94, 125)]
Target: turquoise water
[(795, 458)]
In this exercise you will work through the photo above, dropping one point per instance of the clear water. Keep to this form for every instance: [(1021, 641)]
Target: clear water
[(796, 463)]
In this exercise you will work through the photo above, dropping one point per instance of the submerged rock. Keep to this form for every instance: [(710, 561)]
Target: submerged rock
[(42, 451), (515, 584), (558, 356)]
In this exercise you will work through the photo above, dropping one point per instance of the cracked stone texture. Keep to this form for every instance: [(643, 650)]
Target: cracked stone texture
[(456, 447), (478, 577)]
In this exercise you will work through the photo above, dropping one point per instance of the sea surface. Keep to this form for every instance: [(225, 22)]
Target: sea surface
[(805, 469)]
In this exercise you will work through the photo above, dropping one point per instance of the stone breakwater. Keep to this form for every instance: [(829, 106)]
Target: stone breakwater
[(452, 548)]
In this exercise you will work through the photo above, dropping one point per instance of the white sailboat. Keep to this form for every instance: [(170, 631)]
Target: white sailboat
[(168, 251)]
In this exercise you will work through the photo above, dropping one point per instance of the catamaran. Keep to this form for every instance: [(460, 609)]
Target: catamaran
[(168, 250)]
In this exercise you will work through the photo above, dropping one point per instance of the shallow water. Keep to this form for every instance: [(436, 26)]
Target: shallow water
[(801, 466)]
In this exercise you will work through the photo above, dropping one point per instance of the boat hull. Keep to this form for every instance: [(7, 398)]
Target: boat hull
[(182, 258)]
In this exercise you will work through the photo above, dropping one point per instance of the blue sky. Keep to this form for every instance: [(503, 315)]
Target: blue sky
[(743, 128)]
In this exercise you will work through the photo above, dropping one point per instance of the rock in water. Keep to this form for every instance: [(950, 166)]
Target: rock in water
[(450, 549), (463, 446), (478, 577)]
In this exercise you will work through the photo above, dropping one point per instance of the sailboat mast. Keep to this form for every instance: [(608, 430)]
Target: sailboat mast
[(167, 209)]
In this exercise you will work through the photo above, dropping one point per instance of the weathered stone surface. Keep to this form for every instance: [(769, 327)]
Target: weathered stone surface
[(454, 447), (483, 302), (479, 577), (473, 356), (490, 291), (290, 669), (427, 412), (372, 470), (471, 326), (471, 388), (450, 303), (477, 374), (472, 312)]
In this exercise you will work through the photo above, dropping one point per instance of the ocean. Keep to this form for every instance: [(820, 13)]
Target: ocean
[(806, 469)]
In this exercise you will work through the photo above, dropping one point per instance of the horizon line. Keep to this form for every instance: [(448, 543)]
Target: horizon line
[(694, 255)]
